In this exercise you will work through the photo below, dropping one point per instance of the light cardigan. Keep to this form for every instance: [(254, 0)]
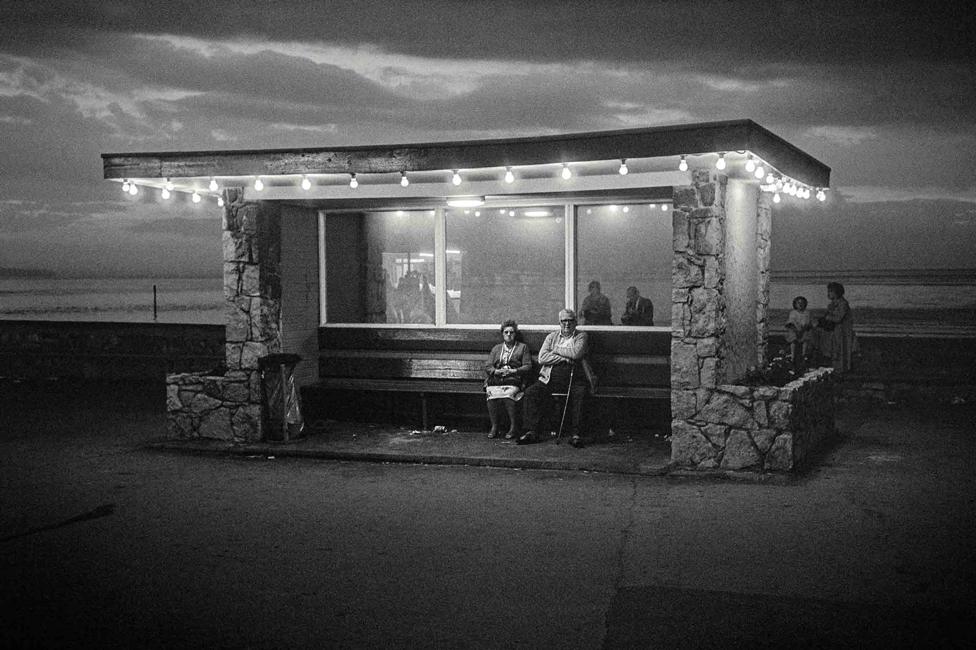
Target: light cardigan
[(558, 349)]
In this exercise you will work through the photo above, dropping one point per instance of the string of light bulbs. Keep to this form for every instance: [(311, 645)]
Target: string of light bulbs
[(771, 180)]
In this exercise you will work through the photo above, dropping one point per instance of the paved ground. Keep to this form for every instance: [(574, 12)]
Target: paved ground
[(105, 541)]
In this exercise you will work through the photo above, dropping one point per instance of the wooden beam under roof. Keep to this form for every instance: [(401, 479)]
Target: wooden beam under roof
[(650, 142)]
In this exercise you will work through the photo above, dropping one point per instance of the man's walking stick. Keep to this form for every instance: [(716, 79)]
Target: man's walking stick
[(569, 389)]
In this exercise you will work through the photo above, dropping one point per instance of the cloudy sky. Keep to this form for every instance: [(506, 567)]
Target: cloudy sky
[(883, 92)]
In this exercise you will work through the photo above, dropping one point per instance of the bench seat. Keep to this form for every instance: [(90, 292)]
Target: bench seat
[(629, 364)]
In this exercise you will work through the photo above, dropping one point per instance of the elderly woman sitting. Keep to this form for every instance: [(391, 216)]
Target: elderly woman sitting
[(509, 363)]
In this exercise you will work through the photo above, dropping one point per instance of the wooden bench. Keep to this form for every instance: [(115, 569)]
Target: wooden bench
[(629, 364)]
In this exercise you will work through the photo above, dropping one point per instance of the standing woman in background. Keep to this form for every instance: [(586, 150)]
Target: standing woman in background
[(835, 330)]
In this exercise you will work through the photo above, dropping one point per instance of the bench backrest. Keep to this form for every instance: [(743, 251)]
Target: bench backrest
[(619, 358)]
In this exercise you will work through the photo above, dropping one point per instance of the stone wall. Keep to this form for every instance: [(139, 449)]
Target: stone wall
[(698, 309), (714, 283), (228, 407), (756, 428)]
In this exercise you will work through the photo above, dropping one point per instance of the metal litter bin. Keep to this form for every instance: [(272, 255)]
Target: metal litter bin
[(281, 408)]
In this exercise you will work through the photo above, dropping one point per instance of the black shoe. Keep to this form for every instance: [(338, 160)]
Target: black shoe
[(527, 438)]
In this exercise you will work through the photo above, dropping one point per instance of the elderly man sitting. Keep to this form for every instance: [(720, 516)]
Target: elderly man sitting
[(562, 356)]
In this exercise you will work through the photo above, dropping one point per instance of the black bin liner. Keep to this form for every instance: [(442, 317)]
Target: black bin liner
[(281, 407)]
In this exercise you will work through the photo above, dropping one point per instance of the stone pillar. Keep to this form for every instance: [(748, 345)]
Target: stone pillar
[(228, 406), (698, 311), (720, 297), (252, 294)]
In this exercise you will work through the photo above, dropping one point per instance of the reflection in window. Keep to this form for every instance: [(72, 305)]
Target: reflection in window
[(618, 247), (505, 263), (380, 267)]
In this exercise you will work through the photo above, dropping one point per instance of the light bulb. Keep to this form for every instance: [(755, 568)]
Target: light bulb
[(567, 174), (664, 207), (195, 197), (511, 213), (821, 196), (720, 163), (626, 208), (683, 165), (623, 168), (403, 179), (220, 201), (770, 179), (509, 176), (750, 164), (168, 186), (258, 184), (760, 172), (306, 184), (776, 198), (133, 189), (353, 183), (165, 193), (213, 185), (125, 186), (456, 178), (779, 184), (477, 213)]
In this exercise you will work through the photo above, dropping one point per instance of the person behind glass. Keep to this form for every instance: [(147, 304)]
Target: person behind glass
[(509, 363), (596, 306), (835, 330), (562, 355), (798, 326), (638, 310)]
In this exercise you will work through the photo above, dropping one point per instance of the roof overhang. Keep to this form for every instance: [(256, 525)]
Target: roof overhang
[(653, 151)]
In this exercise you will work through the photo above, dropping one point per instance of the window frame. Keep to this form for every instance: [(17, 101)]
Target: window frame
[(570, 262)]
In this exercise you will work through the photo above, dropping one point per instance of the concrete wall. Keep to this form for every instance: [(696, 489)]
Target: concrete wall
[(300, 289), (31, 349)]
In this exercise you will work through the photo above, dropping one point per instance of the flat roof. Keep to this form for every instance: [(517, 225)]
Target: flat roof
[(638, 143)]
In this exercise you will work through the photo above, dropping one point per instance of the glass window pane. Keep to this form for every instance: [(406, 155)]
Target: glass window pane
[(622, 246), (380, 267), (505, 263)]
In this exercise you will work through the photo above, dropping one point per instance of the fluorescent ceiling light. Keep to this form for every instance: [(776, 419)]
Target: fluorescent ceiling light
[(466, 202)]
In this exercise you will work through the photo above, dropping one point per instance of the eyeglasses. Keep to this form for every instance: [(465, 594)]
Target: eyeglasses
[(568, 320)]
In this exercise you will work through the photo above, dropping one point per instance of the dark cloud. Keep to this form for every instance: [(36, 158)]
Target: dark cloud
[(813, 31)]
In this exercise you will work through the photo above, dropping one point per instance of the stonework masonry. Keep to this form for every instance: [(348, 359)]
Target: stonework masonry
[(715, 423), (228, 406)]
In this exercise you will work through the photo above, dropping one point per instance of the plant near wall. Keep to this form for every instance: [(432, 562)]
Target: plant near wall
[(778, 371)]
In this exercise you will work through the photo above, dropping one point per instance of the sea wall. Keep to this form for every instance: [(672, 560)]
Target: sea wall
[(907, 369), (32, 349)]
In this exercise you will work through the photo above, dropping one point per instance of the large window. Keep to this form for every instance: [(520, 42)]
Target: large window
[(380, 267), (619, 247), (505, 262), (481, 266)]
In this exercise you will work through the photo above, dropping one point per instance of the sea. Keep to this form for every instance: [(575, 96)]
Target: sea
[(926, 303)]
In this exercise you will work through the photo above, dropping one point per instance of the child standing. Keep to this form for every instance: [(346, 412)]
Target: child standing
[(798, 326)]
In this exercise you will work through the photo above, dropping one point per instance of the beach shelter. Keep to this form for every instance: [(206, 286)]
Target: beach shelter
[(388, 268)]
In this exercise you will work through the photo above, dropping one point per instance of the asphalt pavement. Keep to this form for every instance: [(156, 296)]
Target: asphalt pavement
[(109, 541)]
